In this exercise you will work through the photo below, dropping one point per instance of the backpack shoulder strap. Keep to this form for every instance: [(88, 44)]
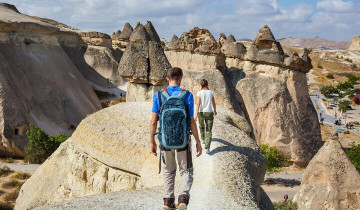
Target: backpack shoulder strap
[(183, 94), (165, 93)]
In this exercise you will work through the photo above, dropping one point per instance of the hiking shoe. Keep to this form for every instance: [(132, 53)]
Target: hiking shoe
[(169, 203), (208, 151), (183, 202)]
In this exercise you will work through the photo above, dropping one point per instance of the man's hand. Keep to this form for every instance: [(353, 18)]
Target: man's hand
[(153, 148), (195, 117), (215, 113), (198, 149)]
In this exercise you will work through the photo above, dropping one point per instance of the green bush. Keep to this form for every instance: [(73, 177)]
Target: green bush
[(330, 76), (348, 60), (344, 86), (274, 158), (288, 205), (352, 78), (354, 154), (320, 66), (4, 171), (41, 146), (343, 105), (327, 90)]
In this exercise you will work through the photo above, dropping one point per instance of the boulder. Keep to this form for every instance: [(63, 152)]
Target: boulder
[(298, 62), (277, 103), (199, 41), (105, 155), (222, 39), (355, 44), (265, 49), (233, 49), (152, 32), (139, 33), (140, 92), (330, 181), (38, 83)]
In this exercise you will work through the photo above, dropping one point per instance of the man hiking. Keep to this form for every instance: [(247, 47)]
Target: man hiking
[(174, 108)]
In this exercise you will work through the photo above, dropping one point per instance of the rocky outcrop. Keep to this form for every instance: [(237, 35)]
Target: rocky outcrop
[(265, 49), (298, 62), (144, 60), (96, 38), (222, 39), (233, 49), (172, 43), (355, 44), (197, 41), (330, 181), (105, 155), (277, 103), (120, 40)]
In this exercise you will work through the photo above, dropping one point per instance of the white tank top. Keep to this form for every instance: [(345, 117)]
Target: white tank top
[(206, 99)]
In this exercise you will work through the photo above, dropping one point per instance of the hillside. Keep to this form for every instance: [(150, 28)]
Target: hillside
[(315, 43)]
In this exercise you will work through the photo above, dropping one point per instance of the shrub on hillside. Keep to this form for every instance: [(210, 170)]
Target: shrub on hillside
[(354, 154), (288, 205), (274, 158), (330, 76), (320, 66), (41, 146), (327, 90), (348, 60), (4, 171), (352, 78)]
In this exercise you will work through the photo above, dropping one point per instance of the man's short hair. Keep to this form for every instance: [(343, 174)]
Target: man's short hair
[(174, 73)]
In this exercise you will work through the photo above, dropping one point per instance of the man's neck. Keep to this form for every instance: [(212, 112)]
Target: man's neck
[(174, 83)]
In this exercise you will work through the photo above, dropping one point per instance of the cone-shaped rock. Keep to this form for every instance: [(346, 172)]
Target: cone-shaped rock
[(152, 32), (330, 181), (233, 49), (265, 49), (139, 33), (298, 62), (159, 64), (116, 35), (172, 42), (126, 32), (134, 64), (231, 38)]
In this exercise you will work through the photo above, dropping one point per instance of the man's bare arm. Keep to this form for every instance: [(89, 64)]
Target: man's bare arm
[(153, 126), (197, 107), (194, 130), (214, 105)]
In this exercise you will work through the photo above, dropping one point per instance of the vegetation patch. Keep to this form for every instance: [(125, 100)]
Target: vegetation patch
[(354, 154), (320, 66), (6, 206), (4, 171), (348, 60), (11, 196), (21, 175), (330, 76), (41, 145), (12, 184), (288, 205), (274, 158), (102, 95)]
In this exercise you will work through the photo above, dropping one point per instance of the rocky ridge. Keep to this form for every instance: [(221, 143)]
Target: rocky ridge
[(88, 168), (355, 44)]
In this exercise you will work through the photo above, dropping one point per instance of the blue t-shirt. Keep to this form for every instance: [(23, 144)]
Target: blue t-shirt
[(174, 91)]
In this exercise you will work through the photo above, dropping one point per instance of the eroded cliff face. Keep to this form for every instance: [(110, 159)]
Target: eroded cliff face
[(258, 82), (108, 153), (355, 44)]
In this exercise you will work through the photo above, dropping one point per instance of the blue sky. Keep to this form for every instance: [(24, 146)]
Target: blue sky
[(331, 19)]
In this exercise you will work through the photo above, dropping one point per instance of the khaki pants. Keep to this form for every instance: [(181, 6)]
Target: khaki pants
[(206, 120), (169, 172)]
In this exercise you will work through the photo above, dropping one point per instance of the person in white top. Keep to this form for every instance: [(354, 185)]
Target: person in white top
[(205, 110)]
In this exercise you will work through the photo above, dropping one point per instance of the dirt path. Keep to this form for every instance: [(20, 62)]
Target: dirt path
[(21, 167)]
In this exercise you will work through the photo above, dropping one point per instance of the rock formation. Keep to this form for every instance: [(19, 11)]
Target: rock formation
[(143, 63), (355, 44), (172, 43), (105, 155), (222, 39), (152, 32), (96, 38), (330, 181), (38, 81), (120, 40), (259, 84), (265, 49)]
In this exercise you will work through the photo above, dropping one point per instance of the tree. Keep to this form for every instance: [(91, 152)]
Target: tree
[(274, 159), (327, 90), (41, 146), (351, 78), (343, 105), (344, 86), (354, 154)]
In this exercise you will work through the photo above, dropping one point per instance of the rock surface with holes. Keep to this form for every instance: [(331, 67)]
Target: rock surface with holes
[(109, 152)]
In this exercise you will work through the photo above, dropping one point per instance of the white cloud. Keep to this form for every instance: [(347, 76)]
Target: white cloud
[(338, 6), (242, 18)]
